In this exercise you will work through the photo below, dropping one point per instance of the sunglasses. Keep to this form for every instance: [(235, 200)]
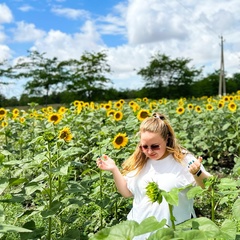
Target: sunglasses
[(152, 147)]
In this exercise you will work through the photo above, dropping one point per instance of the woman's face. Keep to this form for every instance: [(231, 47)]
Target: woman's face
[(153, 145)]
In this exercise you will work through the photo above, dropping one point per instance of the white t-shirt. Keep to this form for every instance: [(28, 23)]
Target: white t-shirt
[(168, 174)]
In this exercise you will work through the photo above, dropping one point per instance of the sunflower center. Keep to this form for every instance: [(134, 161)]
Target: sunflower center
[(119, 140), (144, 114)]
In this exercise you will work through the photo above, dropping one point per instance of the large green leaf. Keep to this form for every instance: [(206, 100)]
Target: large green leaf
[(228, 230), (236, 209), (172, 196), (10, 228), (149, 225), (163, 234), (207, 226)]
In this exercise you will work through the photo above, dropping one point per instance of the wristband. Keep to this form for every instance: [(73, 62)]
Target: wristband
[(198, 173)]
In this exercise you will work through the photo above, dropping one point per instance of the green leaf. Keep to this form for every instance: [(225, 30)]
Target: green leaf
[(10, 228), (163, 234), (227, 183), (149, 224), (3, 184), (64, 169), (35, 234), (172, 196), (5, 153), (14, 199), (195, 191), (17, 181), (122, 231), (236, 209), (33, 187), (71, 234), (192, 235), (55, 206), (228, 230), (2, 216), (208, 227), (226, 126)]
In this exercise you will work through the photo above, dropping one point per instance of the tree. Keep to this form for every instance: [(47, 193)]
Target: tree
[(172, 74), (89, 74), (45, 74), (5, 72)]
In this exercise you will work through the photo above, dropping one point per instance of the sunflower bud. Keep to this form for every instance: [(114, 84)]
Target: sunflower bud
[(153, 192)]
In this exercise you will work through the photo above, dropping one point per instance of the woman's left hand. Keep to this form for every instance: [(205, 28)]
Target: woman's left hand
[(194, 165)]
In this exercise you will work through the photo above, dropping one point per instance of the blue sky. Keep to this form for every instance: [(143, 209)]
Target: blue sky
[(131, 31)]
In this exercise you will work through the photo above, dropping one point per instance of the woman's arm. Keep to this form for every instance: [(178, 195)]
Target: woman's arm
[(106, 163), (198, 174)]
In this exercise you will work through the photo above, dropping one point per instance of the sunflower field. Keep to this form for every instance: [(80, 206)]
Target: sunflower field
[(51, 188)]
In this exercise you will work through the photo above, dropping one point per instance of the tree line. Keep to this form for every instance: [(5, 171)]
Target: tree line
[(51, 81)]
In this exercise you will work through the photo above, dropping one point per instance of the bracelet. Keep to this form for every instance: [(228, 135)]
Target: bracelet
[(198, 173)]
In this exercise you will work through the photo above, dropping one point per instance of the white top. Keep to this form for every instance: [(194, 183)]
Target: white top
[(168, 174)]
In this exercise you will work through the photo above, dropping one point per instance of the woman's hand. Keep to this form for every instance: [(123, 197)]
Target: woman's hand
[(194, 165), (106, 163)]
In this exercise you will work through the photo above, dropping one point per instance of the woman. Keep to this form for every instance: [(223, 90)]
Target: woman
[(159, 158)]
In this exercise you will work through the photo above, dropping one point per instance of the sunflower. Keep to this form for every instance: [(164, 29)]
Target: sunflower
[(50, 109), (107, 106), (62, 110), (86, 105), (76, 103), (131, 103), (209, 107), (232, 106), (120, 140), (92, 105), (221, 104), (180, 110), (136, 107), (22, 119), (102, 105), (142, 114), (118, 105), (152, 105), (15, 112), (231, 98), (190, 106), (65, 134), (118, 115), (3, 112), (198, 109), (180, 102), (122, 101), (145, 99), (4, 124), (44, 110), (225, 98), (79, 109), (111, 112), (55, 118), (160, 101)]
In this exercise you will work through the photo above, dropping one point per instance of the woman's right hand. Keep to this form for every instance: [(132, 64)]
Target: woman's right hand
[(106, 163)]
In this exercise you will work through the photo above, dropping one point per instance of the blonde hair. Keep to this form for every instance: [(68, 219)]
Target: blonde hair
[(158, 123)]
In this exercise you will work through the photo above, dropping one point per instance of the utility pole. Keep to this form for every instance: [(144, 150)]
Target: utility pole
[(222, 83)]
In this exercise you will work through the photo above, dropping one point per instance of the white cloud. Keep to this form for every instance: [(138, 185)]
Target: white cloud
[(5, 51), (27, 32), (2, 36), (6, 14), (70, 13), (25, 8), (66, 46)]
